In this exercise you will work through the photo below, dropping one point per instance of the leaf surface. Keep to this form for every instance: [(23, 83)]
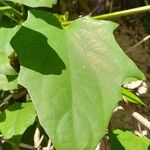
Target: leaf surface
[(16, 119), (126, 140), (131, 97), (8, 82), (36, 3), (6, 33), (74, 77)]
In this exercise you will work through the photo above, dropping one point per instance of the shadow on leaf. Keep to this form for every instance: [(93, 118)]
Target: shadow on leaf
[(15, 107), (115, 143), (35, 53), (2, 116), (47, 17)]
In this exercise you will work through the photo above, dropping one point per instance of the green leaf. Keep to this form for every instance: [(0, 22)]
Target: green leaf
[(8, 82), (131, 97), (16, 119), (6, 50), (6, 33), (35, 3), (126, 140), (74, 77)]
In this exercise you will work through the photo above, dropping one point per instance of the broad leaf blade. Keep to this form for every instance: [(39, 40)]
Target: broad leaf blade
[(36, 3), (131, 97), (8, 82), (76, 74), (6, 33), (126, 140), (16, 119)]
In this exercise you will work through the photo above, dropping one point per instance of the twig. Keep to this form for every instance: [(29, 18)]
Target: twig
[(137, 116), (50, 146), (141, 119), (146, 2), (6, 100), (36, 137), (98, 6), (9, 16), (124, 13), (139, 127), (137, 44), (5, 9), (39, 142), (111, 5), (98, 147), (2, 139), (20, 15), (2, 104), (27, 146)]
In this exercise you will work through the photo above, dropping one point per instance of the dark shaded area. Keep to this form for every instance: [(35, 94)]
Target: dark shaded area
[(49, 18), (2, 116), (127, 4), (19, 95), (6, 22), (78, 8), (15, 107), (28, 135), (35, 53), (14, 62), (99, 8), (146, 20), (7, 146), (114, 142), (11, 77), (15, 139), (12, 143)]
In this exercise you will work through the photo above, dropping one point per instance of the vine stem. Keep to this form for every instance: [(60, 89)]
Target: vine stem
[(118, 14), (5, 9), (13, 9)]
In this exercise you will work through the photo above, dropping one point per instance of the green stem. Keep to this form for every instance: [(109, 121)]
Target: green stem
[(66, 23), (118, 14), (20, 15), (8, 15), (124, 13), (5, 9)]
